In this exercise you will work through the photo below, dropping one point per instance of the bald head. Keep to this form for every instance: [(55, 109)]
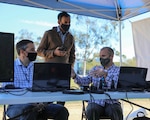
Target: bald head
[(109, 50), (106, 56)]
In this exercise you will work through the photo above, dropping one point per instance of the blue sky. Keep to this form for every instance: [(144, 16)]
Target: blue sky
[(35, 20), (14, 18)]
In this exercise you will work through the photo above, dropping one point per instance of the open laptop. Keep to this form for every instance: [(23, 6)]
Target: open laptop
[(51, 76), (132, 79)]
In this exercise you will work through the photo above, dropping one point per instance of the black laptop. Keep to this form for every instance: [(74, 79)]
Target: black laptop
[(132, 79), (51, 76)]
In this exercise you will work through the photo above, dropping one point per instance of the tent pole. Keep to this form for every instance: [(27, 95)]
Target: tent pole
[(120, 42)]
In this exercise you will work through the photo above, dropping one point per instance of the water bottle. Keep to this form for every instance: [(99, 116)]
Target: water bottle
[(104, 84)]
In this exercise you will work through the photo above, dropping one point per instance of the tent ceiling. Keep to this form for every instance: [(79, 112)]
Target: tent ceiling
[(106, 9)]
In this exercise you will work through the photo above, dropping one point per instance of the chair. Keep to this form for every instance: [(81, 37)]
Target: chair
[(84, 113), (4, 112)]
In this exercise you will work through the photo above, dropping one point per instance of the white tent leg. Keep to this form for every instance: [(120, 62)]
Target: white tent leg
[(120, 42)]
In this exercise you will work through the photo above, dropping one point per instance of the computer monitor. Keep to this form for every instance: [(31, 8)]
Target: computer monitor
[(132, 77), (51, 76), (6, 57)]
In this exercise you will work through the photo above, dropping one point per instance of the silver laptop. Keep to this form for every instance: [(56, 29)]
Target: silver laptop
[(51, 76)]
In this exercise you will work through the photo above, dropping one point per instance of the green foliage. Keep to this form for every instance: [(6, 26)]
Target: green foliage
[(24, 34), (130, 62), (93, 34), (92, 64)]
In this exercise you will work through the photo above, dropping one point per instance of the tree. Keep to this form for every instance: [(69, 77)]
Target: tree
[(25, 34), (93, 34), (130, 62)]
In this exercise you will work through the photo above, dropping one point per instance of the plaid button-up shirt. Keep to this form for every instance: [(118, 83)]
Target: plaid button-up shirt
[(113, 73), (23, 75)]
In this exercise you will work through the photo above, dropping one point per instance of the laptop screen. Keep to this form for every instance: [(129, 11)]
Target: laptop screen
[(51, 76), (132, 77)]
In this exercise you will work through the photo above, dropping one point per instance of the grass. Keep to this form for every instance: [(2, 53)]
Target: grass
[(75, 108)]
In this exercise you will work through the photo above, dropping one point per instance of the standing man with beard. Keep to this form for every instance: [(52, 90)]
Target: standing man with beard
[(57, 44), (102, 77)]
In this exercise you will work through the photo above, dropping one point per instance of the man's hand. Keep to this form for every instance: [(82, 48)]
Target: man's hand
[(98, 73), (59, 52)]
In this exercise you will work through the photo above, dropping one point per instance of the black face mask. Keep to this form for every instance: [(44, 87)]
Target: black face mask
[(105, 61), (32, 56), (65, 27)]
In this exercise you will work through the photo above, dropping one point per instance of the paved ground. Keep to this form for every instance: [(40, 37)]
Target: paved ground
[(75, 108)]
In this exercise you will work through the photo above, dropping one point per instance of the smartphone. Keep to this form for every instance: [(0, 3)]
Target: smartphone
[(62, 48)]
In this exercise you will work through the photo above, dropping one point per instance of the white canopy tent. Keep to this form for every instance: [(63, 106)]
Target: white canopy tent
[(141, 38)]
